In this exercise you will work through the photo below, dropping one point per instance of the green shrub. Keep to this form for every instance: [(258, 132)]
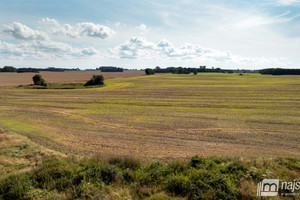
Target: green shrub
[(15, 187), (177, 185), (210, 185), (128, 176), (196, 161), (124, 163), (176, 167), (95, 80), (54, 174), (109, 173), (153, 173)]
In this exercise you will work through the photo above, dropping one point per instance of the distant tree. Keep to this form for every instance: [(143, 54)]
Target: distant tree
[(95, 80), (280, 71), (175, 71), (195, 72), (38, 80), (110, 69), (149, 71), (8, 69)]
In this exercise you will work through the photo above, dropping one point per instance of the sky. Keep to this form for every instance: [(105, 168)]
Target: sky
[(231, 34)]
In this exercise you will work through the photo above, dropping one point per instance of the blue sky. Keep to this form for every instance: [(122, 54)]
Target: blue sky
[(138, 34)]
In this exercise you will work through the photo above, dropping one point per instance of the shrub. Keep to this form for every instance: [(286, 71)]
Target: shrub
[(109, 173), (206, 184), (177, 185), (196, 161), (54, 174), (15, 187), (95, 80), (128, 176), (176, 167), (38, 80), (153, 173), (124, 163)]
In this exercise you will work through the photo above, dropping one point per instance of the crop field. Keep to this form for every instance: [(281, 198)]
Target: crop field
[(15, 79), (162, 116)]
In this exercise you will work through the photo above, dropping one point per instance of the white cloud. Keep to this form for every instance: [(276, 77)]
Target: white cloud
[(95, 30), (134, 48), (43, 50), (23, 32), (143, 28), (49, 21), (85, 28), (287, 2), (141, 48)]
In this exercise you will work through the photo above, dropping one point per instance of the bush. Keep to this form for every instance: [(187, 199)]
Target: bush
[(124, 163), (54, 174), (153, 173), (176, 167), (206, 184), (15, 187), (196, 161), (177, 185), (128, 176), (38, 80), (109, 173), (95, 80)]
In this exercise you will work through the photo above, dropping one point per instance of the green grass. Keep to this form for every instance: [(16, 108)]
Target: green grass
[(163, 116)]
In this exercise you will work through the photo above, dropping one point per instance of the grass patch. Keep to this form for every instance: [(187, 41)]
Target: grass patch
[(77, 85)]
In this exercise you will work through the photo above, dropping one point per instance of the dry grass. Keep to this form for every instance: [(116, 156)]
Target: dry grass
[(17, 154), (163, 116)]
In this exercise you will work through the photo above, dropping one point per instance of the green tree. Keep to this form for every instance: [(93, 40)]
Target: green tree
[(8, 69), (95, 80), (195, 72), (38, 80), (149, 71)]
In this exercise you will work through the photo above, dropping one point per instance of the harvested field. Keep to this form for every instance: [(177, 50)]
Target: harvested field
[(15, 79), (163, 116)]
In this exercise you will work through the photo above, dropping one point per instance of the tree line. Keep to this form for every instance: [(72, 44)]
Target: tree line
[(188, 70), (110, 69), (35, 70), (280, 71)]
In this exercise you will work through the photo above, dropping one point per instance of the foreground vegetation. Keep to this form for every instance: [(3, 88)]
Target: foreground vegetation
[(128, 178), (30, 171)]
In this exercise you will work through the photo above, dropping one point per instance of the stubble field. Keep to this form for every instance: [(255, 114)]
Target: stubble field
[(162, 116)]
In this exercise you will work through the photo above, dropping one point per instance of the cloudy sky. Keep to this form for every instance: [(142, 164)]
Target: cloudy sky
[(248, 34)]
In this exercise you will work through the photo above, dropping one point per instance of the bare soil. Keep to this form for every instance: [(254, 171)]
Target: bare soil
[(15, 79)]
